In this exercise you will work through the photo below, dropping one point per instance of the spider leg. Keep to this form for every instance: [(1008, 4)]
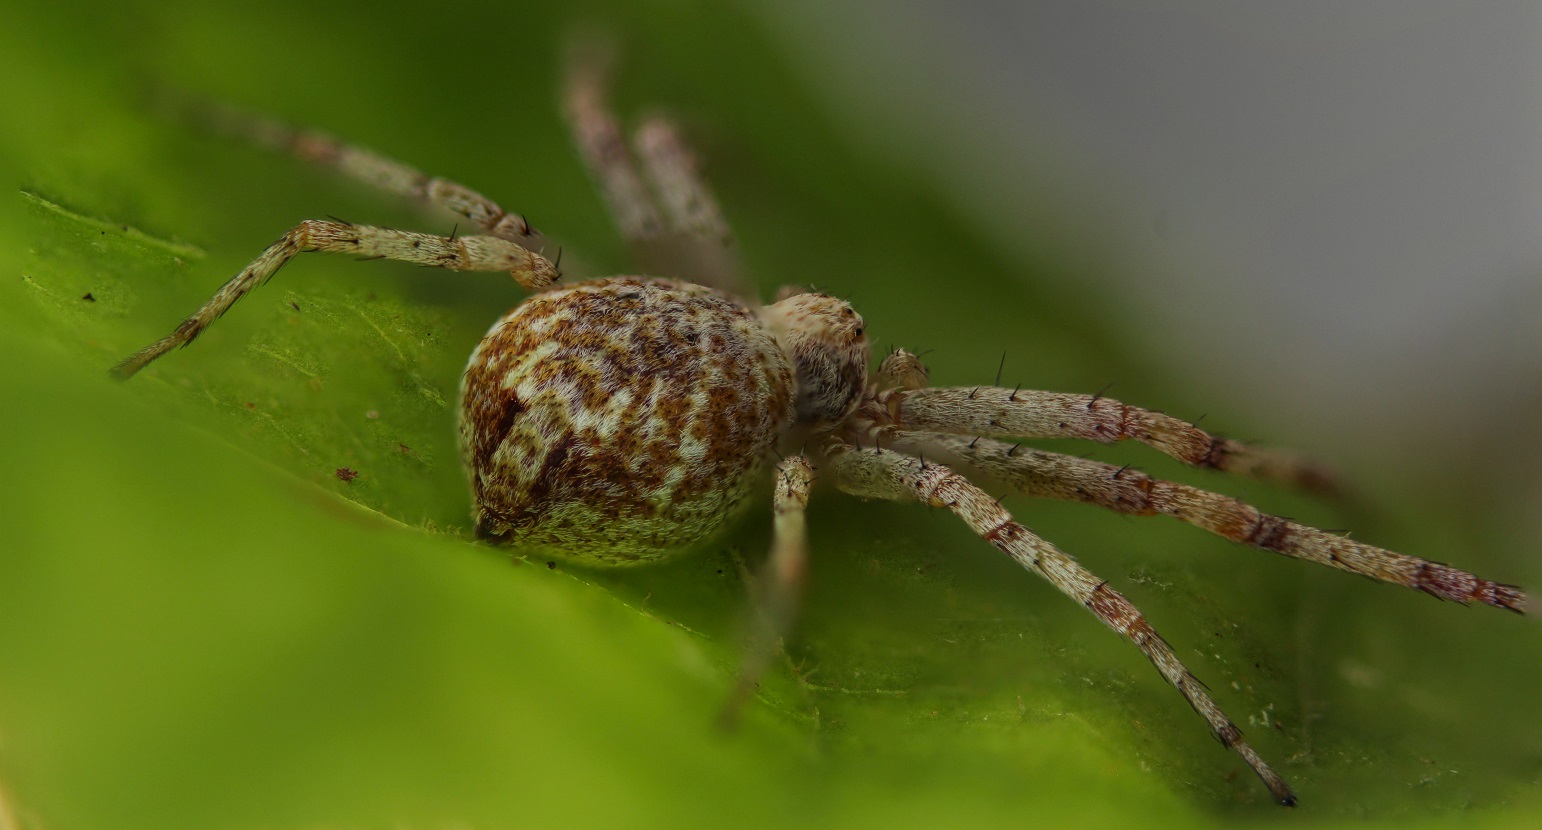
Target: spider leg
[(994, 411), (1052, 475), (674, 171), (370, 167), (666, 213), (700, 245), (778, 590), (466, 253), (891, 475), (603, 147)]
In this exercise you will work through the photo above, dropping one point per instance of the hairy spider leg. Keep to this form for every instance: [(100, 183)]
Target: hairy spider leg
[(465, 253), (1123, 490), (370, 167), (997, 412), (666, 212), (886, 474), (777, 591)]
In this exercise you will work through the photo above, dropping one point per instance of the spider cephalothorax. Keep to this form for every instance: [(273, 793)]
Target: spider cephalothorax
[(827, 344), (621, 420)]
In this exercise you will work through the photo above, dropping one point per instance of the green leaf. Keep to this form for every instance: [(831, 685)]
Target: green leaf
[(202, 624)]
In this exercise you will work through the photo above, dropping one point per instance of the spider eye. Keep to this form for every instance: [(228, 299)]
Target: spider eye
[(859, 331)]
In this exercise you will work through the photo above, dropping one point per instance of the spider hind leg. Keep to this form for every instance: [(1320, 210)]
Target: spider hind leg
[(365, 165), (663, 206), (466, 253)]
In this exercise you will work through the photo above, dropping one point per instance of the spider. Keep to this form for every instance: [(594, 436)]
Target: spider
[(623, 420)]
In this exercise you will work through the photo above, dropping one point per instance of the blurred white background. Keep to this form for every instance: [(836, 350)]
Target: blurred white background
[(1345, 195)]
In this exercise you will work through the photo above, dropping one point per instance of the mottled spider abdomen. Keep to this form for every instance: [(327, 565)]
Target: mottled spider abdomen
[(620, 420)]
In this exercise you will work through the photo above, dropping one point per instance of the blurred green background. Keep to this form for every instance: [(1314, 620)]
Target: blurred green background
[(202, 625)]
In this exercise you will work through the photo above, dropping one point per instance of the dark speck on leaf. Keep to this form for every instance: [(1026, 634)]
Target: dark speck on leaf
[(88, 297), (551, 566), (346, 474)]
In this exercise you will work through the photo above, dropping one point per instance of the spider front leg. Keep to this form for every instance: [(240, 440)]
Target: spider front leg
[(995, 412), (1053, 475), (777, 591), (896, 476), (466, 253)]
